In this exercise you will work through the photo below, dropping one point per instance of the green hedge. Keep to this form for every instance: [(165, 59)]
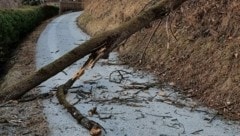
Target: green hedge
[(16, 23)]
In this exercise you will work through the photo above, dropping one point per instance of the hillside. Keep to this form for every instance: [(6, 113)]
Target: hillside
[(195, 49)]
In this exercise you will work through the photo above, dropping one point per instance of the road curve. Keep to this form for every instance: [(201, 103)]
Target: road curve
[(128, 112)]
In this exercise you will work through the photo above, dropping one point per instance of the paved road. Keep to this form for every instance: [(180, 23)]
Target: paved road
[(156, 111)]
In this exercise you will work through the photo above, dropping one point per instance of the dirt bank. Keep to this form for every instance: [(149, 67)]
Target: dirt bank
[(196, 48)]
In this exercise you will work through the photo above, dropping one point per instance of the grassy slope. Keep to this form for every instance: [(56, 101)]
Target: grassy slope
[(203, 61)]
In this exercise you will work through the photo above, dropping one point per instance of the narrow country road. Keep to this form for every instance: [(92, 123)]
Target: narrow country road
[(128, 102)]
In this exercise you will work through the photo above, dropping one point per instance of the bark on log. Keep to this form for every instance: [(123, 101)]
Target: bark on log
[(93, 127), (110, 38)]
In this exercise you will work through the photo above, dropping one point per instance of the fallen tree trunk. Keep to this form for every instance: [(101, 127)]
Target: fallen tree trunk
[(110, 39), (94, 128)]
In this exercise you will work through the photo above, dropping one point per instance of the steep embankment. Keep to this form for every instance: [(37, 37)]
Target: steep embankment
[(196, 48)]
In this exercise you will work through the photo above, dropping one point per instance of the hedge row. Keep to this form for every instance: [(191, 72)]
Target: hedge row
[(16, 23)]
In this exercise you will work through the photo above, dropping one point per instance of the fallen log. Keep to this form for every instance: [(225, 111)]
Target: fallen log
[(111, 39), (94, 128)]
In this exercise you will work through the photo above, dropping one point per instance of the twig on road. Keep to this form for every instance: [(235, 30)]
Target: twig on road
[(160, 116), (197, 132), (213, 118), (36, 96), (120, 74)]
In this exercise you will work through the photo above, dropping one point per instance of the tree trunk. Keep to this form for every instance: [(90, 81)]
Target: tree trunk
[(110, 38)]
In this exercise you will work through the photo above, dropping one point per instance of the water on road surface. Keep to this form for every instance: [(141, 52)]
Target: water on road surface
[(128, 102)]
